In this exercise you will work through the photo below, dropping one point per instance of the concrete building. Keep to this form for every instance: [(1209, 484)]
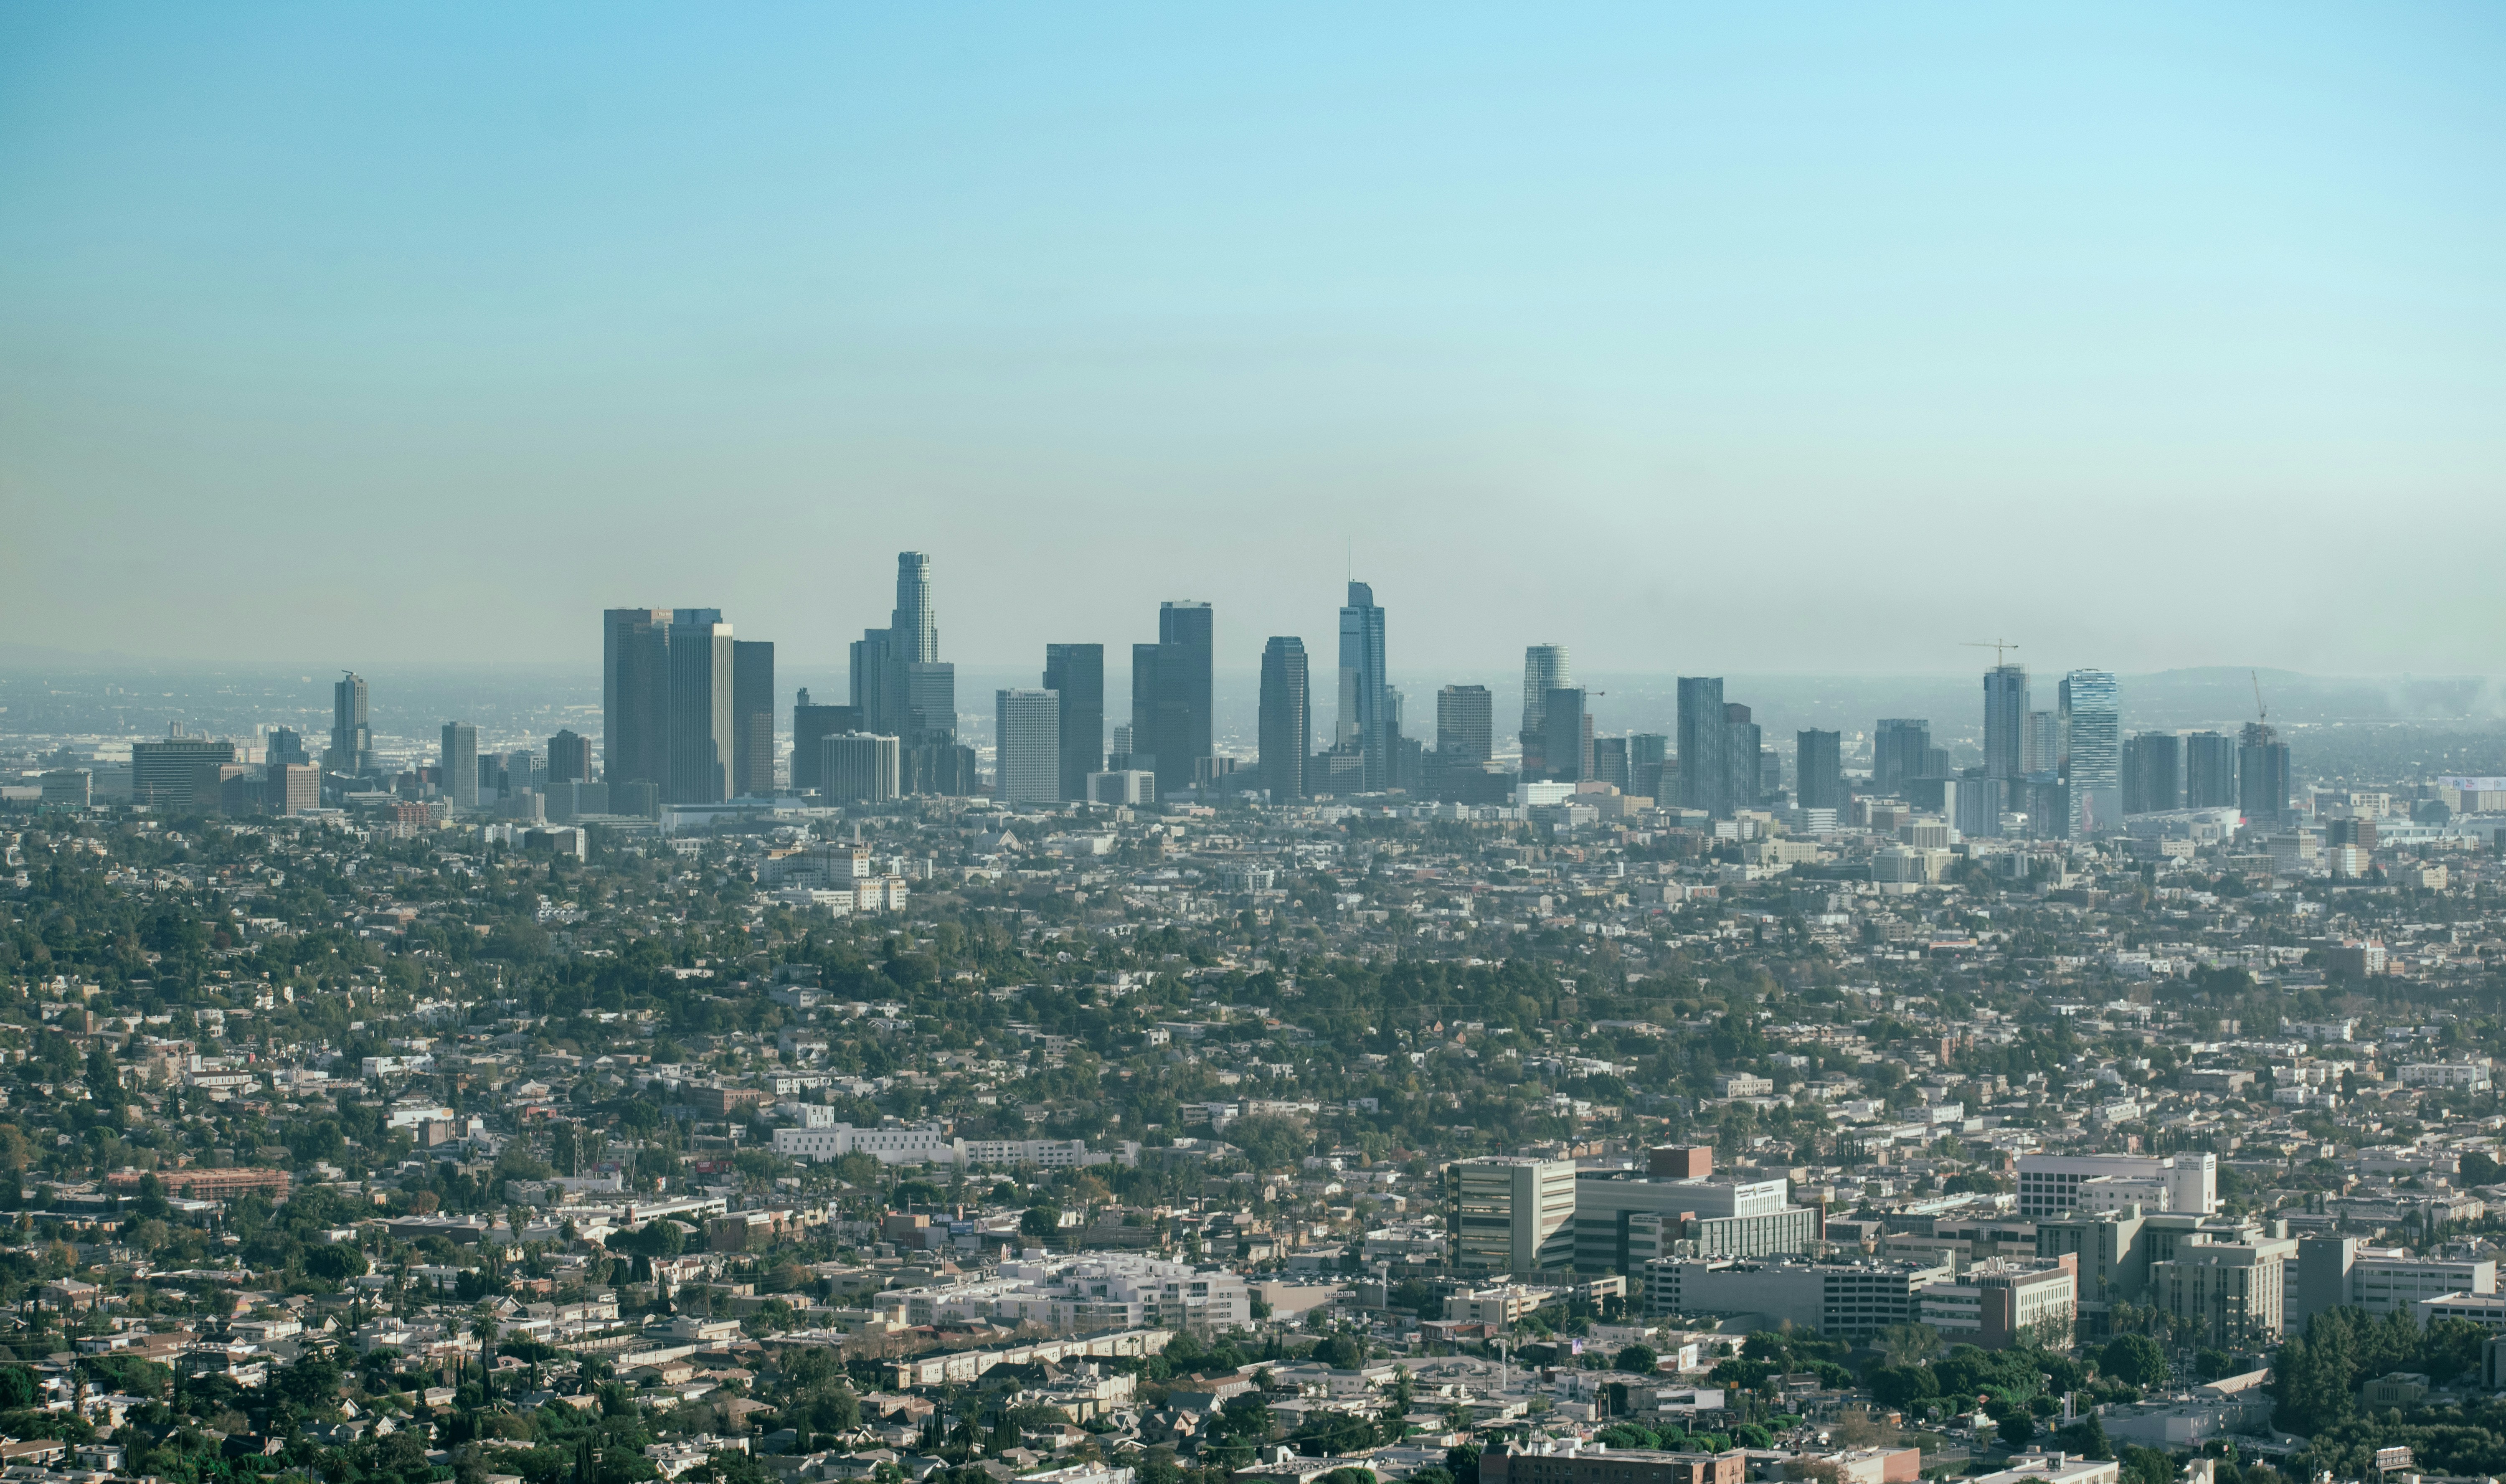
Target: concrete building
[(2336, 1272), (460, 763), (858, 768), (1575, 1461), (1028, 736), (1133, 787), (1622, 1222), (2004, 1301), (1834, 1299), (2049, 1184), (2233, 1292), (1511, 1216)]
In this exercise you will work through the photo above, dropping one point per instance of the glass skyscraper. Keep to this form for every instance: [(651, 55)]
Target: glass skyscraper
[(1364, 725), (2093, 710), (1286, 732)]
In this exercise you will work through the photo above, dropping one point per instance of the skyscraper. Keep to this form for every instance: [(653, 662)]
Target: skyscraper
[(1647, 752), (353, 740), (287, 745), (460, 759), (1818, 765), (1744, 784), (2005, 721), (700, 707), (2262, 775), (1027, 731), (1364, 725), (812, 726), (1897, 753), (1076, 673), (1545, 668), (2209, 770), (1285, 733), (1566, 735), (1170, 695), (2093, 752), (752, 718), (900, 685), (635, 695), (914, 625), (859, 768), (1465, 726), (1704, 745), (569, 758), (1610, 762), (2153, 772)]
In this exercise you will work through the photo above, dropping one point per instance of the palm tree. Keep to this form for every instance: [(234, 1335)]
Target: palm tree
[(483, 1328)]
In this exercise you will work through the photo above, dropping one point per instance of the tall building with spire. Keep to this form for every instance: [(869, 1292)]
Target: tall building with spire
[(901, 687), (1365, 723)]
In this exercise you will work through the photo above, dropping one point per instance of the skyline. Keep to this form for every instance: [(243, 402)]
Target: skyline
[(1569, 333)]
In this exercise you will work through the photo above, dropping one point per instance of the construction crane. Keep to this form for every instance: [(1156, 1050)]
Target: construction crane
[(1995, 645), (2259, 707)]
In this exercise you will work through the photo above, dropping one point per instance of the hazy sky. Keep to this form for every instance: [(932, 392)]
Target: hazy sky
[(1779, 337)]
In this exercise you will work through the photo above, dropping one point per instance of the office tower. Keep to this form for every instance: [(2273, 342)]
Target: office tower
[(2040, 748), (1545, 668), (2152, 773), (1899, 753), (180, 772), (699, 709), (1170, 696), (509, 774), (1028, 736), (943, 768), (1567, 736), (2209, 770), (569, 758), (1770, 774), (2262, 775), (1123, 786), (286, 746), (812, 726), (1076, 672), (1647, 752), (916, 627), (2093, 752), (460, 763), (1818, 763), (1506, 1214), (1285, 730), (1744, 785), (1704, 745), (352, 740), (1364, 727), (635, 694), (752, 718), (1465, 725), (859, 768), (1610, 762), (931, 702), (292, 788), (2005, 721), (878, 686)]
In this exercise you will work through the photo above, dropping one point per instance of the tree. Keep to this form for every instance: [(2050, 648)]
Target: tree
[(484, 1328), (2134, 1359), (1039, 1222), (2479, 1168), (1639, 1359), (1908, 1344), (2087, 1438), (2017, 1429)]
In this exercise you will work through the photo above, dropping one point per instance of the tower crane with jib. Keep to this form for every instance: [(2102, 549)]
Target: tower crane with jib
[(1995, 645)]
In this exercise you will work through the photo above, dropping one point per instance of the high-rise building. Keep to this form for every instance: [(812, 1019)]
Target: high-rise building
[(1566, 735), (286, 746), (700, 707), (812, 726), (1505, 1215), (1899, 751), (1818, 762), (1028, 734), (1286, 732), (569, 758), (2005, 722), (2093, 752), (2152, 773), (352, 740), (1704, 745), (2209, 770), (1744, 787), (2262, 775), (900, 685), (1465, 726), (1647, 754), (915, 625), (1076, 672), (179, 773), (1364, 723), (859, 768), (460, 762), (635, 695), (1545, 668), (1610, 762), (1170, 695), (752, 718)]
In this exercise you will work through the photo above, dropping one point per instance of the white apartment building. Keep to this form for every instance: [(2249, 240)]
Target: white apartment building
[(822, 1140), (1089, 1291)]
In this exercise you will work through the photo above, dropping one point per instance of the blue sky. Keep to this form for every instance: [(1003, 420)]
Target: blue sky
[(1810, 339)]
